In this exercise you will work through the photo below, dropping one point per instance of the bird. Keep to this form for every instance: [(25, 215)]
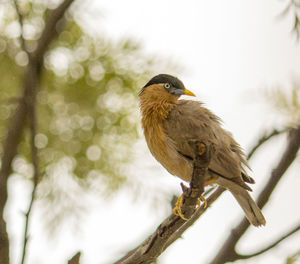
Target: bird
[(169, 123)]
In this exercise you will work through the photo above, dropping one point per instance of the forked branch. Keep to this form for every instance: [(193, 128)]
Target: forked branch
[(20, 19)]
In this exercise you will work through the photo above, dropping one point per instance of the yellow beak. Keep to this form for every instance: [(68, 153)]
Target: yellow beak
[(188, 92)]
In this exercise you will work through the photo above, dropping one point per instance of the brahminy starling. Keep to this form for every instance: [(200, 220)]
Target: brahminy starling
[(169, 124)]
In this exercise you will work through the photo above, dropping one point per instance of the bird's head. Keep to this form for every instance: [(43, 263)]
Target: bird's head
[(165, 85)]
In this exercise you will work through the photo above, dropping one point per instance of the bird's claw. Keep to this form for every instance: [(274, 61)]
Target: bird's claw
[(177, 209), (202, 199)]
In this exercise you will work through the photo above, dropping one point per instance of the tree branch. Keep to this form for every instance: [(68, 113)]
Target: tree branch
[(190, 197), (20, 19), (227, 252), (9, 151), (31, 106), (50, 31), (274, 244), (167, 232), (75, 259), (264, 139), (211, 199), (173, 226), (16, 127)]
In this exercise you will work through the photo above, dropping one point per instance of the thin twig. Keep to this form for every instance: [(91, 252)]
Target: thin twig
[(292, 7), (31, 105), (50, 31), (274, 244), (264, 139), (20, 19)]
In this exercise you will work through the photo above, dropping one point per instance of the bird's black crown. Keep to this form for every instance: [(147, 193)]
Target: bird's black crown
[(165, 78)]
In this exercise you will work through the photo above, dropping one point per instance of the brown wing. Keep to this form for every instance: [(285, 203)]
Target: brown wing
[(190, 120)]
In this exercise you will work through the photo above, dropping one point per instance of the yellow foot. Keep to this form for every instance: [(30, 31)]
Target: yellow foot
[(210, 181), (177, 208), (202, 199)]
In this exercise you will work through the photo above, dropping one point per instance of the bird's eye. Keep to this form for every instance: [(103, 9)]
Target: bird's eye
[(167, 85)]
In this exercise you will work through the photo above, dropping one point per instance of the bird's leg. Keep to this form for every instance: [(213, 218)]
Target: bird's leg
[(192, 197), (203, 154), (177, 209), (210, 181)]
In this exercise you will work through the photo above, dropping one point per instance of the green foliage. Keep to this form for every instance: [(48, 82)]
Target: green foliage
[(293, 259), (87, 107)]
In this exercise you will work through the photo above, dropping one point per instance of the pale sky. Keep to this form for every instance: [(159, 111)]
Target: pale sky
[(229, 51)]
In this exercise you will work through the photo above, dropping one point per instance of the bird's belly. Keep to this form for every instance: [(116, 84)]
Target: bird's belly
[(174, 163), (180, 168)]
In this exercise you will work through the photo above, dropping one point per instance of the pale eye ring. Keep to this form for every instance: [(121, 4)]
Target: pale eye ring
[(167, 85)]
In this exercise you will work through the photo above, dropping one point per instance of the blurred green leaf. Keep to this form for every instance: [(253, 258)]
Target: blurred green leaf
[(87, 103), (293, 259)]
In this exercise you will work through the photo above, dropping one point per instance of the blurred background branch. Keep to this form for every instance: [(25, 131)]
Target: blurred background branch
[(26, 109), (75, 259), (32, 120), (79, 90), (263, 139), (293, 7), (228, 253), (20, 19), (274, 244), (168, 232)]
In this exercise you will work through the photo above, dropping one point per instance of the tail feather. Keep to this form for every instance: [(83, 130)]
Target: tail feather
[(252, 211), (247, 178)]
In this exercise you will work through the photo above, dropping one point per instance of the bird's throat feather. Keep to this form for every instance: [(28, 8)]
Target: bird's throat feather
[(153, 115)]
